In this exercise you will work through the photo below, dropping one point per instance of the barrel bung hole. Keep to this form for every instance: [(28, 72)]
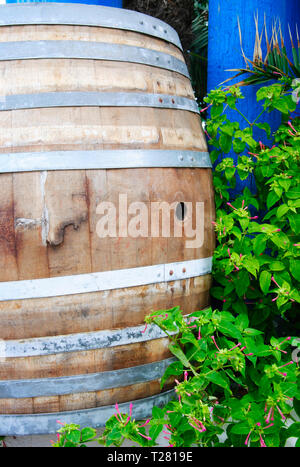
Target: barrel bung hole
[(181, 211)]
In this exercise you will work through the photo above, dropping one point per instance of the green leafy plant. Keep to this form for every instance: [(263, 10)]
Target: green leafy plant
[(230, 382), (256, 262), (236, 371)]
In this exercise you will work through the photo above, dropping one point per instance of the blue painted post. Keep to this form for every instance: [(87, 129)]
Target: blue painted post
[(113, 3), (224, 49)]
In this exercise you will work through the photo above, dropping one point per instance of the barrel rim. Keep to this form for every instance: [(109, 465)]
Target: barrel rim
[(96, 99), (83, 50), (102, 159), (102, 281), (87, 15), (88, 382)]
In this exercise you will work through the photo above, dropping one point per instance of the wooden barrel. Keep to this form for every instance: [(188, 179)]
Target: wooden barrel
[(97, 113)]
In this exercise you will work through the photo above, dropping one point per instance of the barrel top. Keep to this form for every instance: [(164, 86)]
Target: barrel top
[(86, 15)]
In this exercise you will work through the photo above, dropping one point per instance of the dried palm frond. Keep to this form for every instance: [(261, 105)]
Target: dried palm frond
[(275, 64)]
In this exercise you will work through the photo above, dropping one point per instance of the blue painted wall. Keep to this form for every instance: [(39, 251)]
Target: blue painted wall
[(224, 50), (114, 3)]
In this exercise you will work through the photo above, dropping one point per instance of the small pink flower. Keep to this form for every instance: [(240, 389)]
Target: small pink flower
[(272, 279), (262, 443), (271, 424), (247, 439), (235, 346), (269, 414), (290, 124), (144, 436), (289, 363), (214, 341), (281, 414), (144, 424)]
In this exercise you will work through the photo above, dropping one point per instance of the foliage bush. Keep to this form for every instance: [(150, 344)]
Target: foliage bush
[(237, 369)]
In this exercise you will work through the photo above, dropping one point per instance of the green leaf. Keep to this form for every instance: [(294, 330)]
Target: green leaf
[(293, 193), (251, 264), (240, 428), (265, 281), (264, 126), (242, 321), (296, 406), (179, 354), (229, 329), (87, 434), (157, 413), (293, 430), (295, 268), (272, 198), (174, 369), (216, 110), (218, 379), (277, 266), (282, 210), (252, 332), (238, 145), (259, 244), (225, 142), (74, 436), (280, 105), (155, 431)]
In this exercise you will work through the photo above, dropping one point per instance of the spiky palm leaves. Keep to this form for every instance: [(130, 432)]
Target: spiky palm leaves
[(276, 63)]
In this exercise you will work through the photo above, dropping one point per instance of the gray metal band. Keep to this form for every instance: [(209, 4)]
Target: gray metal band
[(78, 342), (96, 99), (46, 423), (107, 280), (106, 159), (24, 50), (87, 15), (18, 389)]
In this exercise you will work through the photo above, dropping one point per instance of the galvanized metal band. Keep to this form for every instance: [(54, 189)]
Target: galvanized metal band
[(106, 159), (87, 15), (18, 389), (107, 280), (96, 99), (46, 423), (25, 50), (78, 342)]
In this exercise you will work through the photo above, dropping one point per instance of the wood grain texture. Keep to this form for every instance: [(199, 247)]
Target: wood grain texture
[(48, 220), (70, 75), (90, 361), (86, 33), (24, 319), (83, 400), (53, 226)]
